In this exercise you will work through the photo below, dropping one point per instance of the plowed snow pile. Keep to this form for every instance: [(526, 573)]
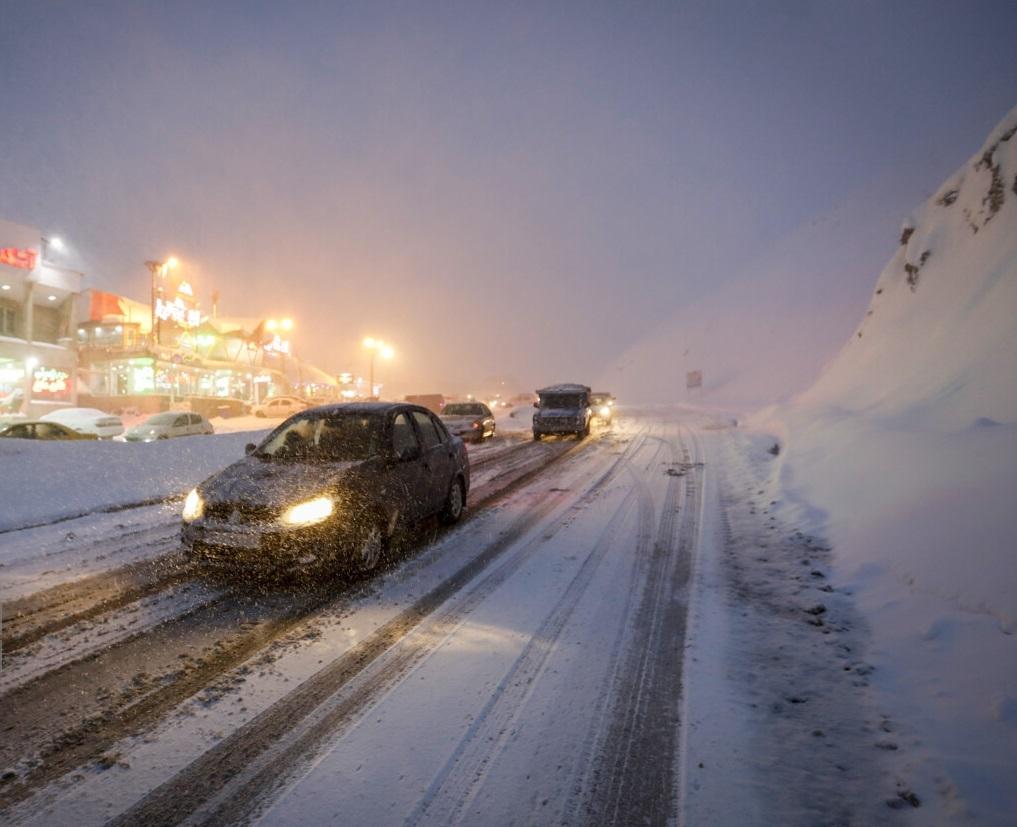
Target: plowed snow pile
[(904, 453)]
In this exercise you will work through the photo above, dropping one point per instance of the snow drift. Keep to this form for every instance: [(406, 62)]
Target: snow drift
[(904, 452)]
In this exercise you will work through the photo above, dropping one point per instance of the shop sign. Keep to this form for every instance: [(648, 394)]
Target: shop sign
[(177, 311), (16, 257), (50, 383), (278, 344)]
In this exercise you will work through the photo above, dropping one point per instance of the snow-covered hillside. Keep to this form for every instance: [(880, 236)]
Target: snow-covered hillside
[(904, 453)]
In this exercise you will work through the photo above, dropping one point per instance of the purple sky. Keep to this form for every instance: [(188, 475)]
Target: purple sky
[(517, 190)]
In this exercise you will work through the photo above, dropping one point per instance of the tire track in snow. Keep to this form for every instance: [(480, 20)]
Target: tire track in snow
[(458, 781), (634, 780), (231, 780), (222, 625)]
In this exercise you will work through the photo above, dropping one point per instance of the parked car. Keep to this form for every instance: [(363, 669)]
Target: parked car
[(87, 421), (41, 430), (167, 425), (602, 404), (472, 421), (562, 409), (330, 487), (279, 407)]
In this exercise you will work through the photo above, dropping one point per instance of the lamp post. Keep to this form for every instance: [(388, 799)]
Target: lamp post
[(157, 269), (380, 348)]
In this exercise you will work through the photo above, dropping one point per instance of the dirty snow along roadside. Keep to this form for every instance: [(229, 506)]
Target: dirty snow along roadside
[(904, 453)]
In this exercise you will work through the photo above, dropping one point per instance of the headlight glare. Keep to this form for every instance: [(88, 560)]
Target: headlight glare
[(310, 512), (194, 506), (605, 410)]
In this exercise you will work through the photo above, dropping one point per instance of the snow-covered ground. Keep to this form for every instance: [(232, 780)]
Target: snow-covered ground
[(47, 481), (904, 454)]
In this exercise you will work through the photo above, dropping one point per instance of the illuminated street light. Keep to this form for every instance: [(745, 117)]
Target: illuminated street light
[(57, 243), (376, 347)]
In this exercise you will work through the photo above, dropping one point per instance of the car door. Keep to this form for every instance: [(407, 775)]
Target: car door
[(406, 489), (180, 427), (47, 430), (21, 431), (436, 461)]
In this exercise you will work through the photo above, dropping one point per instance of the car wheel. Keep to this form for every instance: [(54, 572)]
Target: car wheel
[(372, 547), (260, 414), (455, 503), (536, 436)]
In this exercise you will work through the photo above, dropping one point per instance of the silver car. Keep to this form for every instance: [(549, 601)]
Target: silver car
[(167, 425), (471, 421)]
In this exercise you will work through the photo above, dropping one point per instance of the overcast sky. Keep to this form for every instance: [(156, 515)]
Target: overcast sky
[(504, 189)]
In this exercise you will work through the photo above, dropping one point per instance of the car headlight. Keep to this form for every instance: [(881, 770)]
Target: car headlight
[(194, 506), (605, 410), (310, 512)]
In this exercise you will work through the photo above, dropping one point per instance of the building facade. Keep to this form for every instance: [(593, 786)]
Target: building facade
[(38, 354)]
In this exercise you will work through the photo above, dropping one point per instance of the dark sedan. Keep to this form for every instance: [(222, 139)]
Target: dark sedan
[(469, 420), (332, 486), (42, 430)]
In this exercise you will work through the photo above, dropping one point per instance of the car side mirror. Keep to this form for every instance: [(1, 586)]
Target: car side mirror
[(536, 404), (250, 448)]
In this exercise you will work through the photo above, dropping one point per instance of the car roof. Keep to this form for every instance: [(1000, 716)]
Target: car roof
[(74, 411), (565, 387), (368, 407)]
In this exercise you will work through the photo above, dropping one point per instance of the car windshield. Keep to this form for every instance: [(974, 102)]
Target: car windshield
[(562, 400), (162, 419), (337, 438), (463, 409)]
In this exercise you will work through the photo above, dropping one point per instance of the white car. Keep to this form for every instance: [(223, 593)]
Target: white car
[(167, 425), (87, 421), (279, 407)]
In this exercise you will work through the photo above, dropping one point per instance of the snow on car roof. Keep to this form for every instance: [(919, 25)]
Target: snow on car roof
[(565, 387)]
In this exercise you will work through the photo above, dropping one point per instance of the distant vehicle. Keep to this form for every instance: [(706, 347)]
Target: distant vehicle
[(168, 425), (434, 402), (473, 421), (562, 409), (41, 430), (330, 487), (87, 421), (602, 404), (279, 407)]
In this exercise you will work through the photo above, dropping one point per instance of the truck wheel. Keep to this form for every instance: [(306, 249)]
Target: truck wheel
[(536, 436)]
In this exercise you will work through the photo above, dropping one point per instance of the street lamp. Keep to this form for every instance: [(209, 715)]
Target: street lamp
[(159, 268), (380, 348)]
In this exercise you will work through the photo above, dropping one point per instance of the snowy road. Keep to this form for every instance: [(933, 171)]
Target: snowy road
[(529, 666), (523, 667)]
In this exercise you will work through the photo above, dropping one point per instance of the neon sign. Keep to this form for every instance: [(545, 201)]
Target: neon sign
[(278, 344), (178, 312), (16, 257), (50, 382)]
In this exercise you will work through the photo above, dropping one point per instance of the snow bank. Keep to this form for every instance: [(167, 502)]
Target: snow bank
[(43, 482), (904, 453)]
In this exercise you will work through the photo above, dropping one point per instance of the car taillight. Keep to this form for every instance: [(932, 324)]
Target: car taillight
[(475, 425)]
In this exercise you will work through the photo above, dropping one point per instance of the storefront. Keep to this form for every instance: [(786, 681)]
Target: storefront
[(38, 357)]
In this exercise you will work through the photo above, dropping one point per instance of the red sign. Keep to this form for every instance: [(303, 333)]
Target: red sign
[(16, 257)]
